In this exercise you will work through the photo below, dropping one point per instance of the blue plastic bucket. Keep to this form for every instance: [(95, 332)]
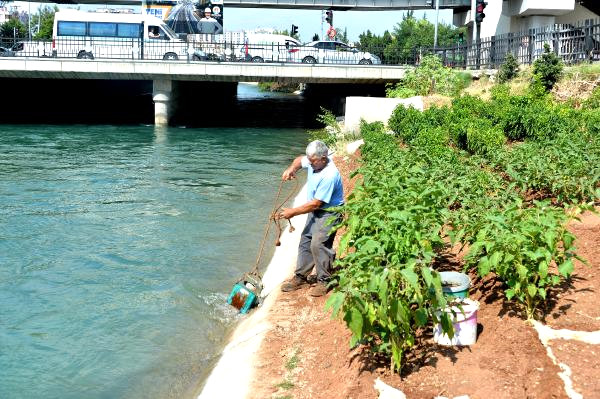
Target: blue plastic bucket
[(455, 284)]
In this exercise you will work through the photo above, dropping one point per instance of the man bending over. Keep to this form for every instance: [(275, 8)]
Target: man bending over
[(324, 190)]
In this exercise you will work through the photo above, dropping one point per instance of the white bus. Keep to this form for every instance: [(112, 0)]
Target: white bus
[(90, 35)]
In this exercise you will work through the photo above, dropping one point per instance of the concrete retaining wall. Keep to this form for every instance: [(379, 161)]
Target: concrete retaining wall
[(373, 109)]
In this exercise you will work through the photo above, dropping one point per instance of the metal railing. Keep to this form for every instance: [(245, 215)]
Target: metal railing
[(572, 44)]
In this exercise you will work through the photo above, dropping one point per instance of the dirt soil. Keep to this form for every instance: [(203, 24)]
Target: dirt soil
[(307, 354)]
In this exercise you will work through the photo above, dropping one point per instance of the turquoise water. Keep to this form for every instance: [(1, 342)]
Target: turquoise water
[(118, 247)]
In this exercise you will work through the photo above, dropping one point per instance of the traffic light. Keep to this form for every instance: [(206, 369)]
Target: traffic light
[(479, 7), (294, 30), (329, 17)]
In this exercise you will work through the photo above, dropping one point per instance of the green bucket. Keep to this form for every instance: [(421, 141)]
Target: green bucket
[(455, 284)]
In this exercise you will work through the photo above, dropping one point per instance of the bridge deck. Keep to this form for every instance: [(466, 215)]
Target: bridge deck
[(197, 71)]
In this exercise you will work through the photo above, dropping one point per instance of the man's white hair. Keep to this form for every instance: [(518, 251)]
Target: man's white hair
[(317, 149)]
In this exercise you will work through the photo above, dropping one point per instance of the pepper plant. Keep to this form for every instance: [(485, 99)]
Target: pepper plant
[(529, 248)]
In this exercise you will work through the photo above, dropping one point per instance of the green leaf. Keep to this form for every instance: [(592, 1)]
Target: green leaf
[(522, 271), (555, 279), (566, 268), (447, 326), (335, 302), (411, 277), (421, 317), (354, 320), (509, 293), (484, 266), (531, 290), (495, 259), (542, 293), (344, 243), (427, 277), (371, 246), (543, 269), (568, 239)]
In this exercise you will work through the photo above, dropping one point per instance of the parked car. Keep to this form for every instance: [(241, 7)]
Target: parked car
[(263, 47), (5, 52), (32, 49), (332, 52)]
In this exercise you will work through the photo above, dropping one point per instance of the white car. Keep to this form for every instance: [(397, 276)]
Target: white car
[(332, 52), (267, 48)]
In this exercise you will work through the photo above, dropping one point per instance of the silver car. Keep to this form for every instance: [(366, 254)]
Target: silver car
[(332, 52)]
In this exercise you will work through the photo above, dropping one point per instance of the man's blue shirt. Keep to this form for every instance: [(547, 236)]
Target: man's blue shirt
[(324, 185)]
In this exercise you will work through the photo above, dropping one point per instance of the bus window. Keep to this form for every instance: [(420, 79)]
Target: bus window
[(128, 30), (103, 29), (71, 28)]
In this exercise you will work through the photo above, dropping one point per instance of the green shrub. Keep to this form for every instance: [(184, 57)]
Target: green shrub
[(397, 91), (406, 122), (509, 69), (429, 77), (548, 68), (593, 101), (433, 140), (484, 138), (520, 245)]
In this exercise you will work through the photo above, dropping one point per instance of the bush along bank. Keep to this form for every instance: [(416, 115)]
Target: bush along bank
[(503, 178)]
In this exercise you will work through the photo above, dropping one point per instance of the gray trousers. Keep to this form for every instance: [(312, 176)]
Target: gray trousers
[(315, 245)]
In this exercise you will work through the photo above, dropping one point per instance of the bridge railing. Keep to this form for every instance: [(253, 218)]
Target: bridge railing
[(572, 43)]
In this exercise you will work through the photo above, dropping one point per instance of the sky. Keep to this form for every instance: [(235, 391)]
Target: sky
[(308, 21)]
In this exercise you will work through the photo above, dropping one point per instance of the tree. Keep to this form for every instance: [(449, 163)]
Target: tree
[(342, 37), (509, 69), (374, 44), (286, 32), (13, 28), (315, 37), (548, 68), (408, 37), (45, 16)]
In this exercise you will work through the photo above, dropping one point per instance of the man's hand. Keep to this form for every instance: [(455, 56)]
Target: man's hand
[(288, 174), (285, 213)]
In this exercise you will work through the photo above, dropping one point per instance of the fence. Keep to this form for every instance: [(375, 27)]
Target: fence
[(572, 44)]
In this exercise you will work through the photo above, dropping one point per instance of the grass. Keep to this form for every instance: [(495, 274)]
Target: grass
[(292, 362), (588, 71), (286, 384)]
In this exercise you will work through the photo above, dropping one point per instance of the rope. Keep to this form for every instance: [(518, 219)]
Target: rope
[(277, 222)]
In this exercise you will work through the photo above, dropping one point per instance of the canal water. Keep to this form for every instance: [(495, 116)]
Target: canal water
[(118, 247)]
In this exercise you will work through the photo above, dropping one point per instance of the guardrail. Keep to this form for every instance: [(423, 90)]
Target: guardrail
[(572, 44)]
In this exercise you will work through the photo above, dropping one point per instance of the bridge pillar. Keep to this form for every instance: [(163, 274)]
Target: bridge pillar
[(161, 94)]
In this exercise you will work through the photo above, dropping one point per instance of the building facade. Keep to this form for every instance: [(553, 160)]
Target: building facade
[(505, 16)]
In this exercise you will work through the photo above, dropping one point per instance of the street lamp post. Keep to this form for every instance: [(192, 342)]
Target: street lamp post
[(437, 17)]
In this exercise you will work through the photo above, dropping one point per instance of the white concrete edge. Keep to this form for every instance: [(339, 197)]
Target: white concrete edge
[(546, 334), (232, 375)]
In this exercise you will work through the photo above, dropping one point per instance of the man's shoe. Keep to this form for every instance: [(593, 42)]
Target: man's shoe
[(293, 284), (311, 279), (319, 289)]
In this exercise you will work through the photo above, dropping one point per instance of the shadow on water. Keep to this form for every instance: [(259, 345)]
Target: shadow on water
[(195, 104)]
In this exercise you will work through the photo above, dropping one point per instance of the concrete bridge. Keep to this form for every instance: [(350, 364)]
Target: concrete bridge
[(164, 73)]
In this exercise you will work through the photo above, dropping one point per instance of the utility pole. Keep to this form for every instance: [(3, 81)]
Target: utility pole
[(322, 19), (437, 18), (473, 8), (29, 19)]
